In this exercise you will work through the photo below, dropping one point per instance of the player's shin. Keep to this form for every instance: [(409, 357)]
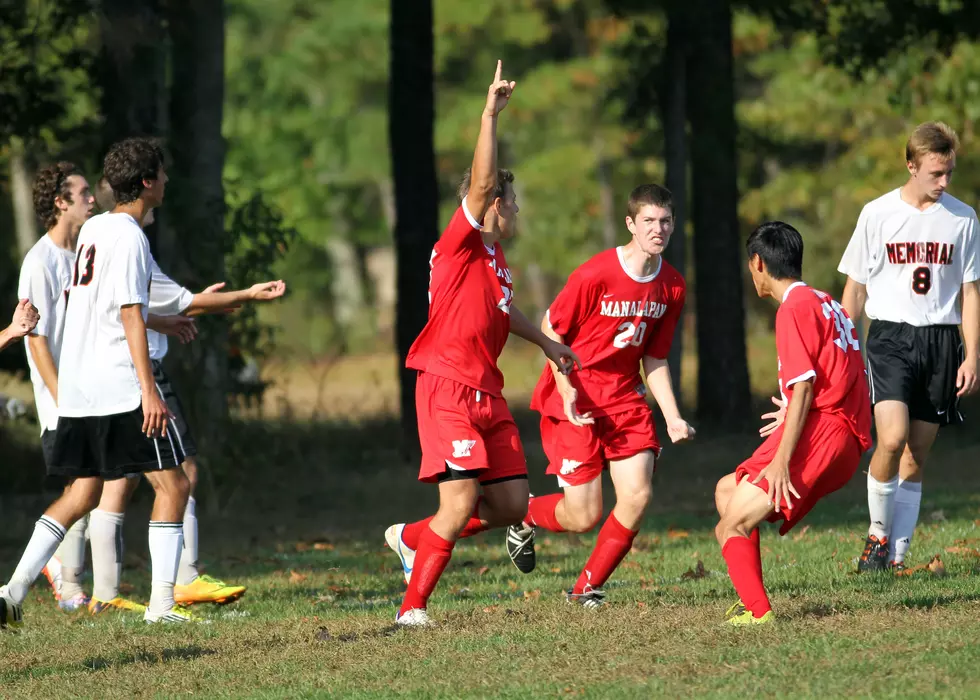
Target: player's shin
[(107, 553), (166, 540), (612, 546), (431, 559), (745, 570), (542, 511), (881, 506), (48, 534), (907, 503)]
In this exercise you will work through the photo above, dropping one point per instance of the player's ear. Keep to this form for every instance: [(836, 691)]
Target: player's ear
[(630, 225)]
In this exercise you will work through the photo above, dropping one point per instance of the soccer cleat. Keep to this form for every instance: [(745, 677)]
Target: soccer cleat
[(76, 602), (747, 618), (206, 589), (875, 555), (11, 615), (175, 615), (97, 607), (393, 537), (590, 598), (520, 547), (896, 567), (52, 572), (737, 608), (416, 617)]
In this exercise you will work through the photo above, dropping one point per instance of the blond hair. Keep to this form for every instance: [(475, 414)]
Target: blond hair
[(931, 137)]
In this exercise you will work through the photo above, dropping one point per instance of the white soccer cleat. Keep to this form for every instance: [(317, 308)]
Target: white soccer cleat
[(174, 615), (393, 537), (416, 617)]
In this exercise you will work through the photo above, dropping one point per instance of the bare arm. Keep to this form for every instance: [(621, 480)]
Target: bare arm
[(216, 302), (41, 354), (556, 352), (154, 410), (180, 327), (966, 376), (777, 473), (568, 393), (853, 300), (483, 172), (658, 379)]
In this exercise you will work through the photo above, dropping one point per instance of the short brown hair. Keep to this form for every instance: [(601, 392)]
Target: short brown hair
[(51, 183), (649, 194), (504, 177), (931, 137), (104, 198)]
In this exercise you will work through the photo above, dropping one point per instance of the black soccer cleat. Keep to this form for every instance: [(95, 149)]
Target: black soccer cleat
[(520, 547), (875, 555)]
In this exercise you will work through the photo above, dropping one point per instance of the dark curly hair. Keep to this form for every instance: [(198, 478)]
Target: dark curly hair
[(50, 183), (128, 163)]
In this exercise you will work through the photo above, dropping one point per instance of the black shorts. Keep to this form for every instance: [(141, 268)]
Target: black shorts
[(47, 446), (109, 447), (178, 424), (917, 366)]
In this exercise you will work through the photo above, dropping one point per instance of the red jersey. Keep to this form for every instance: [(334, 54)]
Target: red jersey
[(470, 292), (611, 319), (815, 339)]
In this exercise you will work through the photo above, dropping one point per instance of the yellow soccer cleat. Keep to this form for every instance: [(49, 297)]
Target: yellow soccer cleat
[(117, 604), (205, 589), (747, 618), (737, 608)]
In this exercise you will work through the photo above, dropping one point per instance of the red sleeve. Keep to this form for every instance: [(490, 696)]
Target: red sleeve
[(660, 340), (463, 232), (797, 336), (567, 309)]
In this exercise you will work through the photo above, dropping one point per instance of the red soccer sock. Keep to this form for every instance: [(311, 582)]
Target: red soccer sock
[(431, 559), (413, 531), (754, 539), (745, 569), (541, 512), (614, 543)]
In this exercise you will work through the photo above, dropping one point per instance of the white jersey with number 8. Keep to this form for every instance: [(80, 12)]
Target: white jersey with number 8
[(914, 262)]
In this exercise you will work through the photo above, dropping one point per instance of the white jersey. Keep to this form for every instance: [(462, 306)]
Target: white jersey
[(914, 263), (112, 270), (167, 298), (45, 277)]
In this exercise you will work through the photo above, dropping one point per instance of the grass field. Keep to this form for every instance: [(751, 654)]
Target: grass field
[(305, 535)]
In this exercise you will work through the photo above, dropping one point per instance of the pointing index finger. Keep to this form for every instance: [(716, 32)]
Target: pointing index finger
[(496, 76)]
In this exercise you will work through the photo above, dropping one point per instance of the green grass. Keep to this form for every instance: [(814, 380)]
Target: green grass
[(306, 537)]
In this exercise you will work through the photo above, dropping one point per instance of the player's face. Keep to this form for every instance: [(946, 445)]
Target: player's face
[(651, 228), (82, 204), (155, 188), (932, 174), (506, 209)]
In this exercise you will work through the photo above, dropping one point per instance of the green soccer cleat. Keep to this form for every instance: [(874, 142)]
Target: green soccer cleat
[(747, 618)]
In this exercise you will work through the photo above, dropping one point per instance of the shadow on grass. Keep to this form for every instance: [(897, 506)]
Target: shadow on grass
[(102, 663)]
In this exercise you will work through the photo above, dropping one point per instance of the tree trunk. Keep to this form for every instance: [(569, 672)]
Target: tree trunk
[(22, 198), (723, 381), (411, 115), (195, 249), (673, 100)]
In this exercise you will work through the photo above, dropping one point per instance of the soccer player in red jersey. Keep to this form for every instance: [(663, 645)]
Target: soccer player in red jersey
[(817, 438), (618, 311), (469, 440)]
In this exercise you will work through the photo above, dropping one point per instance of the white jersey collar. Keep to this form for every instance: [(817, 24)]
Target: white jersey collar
[(629, 273), (791, 288)]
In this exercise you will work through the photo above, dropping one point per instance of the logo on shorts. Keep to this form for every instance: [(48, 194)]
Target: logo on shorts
[(462, 448), (569, 465)]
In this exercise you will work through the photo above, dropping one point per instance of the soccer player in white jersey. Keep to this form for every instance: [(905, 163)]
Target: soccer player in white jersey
[(167, 299), (112, 421), (914, 252), (62, 202)]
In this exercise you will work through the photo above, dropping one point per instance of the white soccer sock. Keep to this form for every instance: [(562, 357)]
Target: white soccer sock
[(907, 502), (881, 505), (71, 556), (106, 532), (48, 534), (166, 541), (187, 570)]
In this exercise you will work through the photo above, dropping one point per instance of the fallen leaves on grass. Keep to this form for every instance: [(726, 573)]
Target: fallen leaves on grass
[(297, 577), (801, 534), (483, 570), (697, 572), (934, 567), (965, 551), (532, 595), (677, 534)]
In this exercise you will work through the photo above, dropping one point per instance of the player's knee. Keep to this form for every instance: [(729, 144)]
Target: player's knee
[(457, 512), (891, 442), (723, 492), (584, 519), (84, 499)]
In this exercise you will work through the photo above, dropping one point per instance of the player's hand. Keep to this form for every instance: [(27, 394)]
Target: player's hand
[(777, 417), (25, 318), (155, 414), (780, 486), (966, 377), (267, 291), (499, 93), (680, 430), (579, 420), (562, 356), (180, 327), (216, 287)]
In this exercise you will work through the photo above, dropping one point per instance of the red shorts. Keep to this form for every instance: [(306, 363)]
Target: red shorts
[(577, 455), (465, 429), (824, 460)]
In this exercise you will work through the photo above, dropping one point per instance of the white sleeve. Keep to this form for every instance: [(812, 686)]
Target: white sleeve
[(167, 298), (129, 270), (36, 284), (971, 253), (856, 262)]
